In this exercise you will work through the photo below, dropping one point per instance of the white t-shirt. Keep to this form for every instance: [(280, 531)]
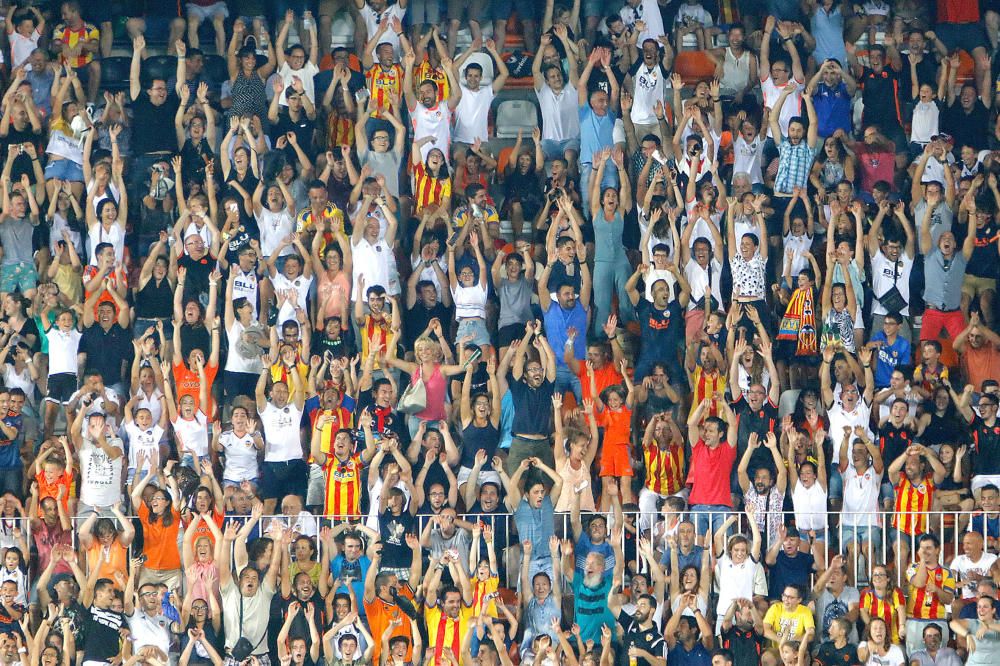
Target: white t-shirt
[(372, 20), (300, 285), (698, 279), (649, 87), (747, 158), (21, 48), (962, 566), (144, 440), (245, 286), (883, 271), (241, 457), (560, 113), (193, 434), (648, 11), (737, 581), (150, 402), (435, 122), (274, 227), (236, 362), (281, 432), (472, 114), (799, 245), (789, 109), (306, 74), (469, 301), (894, 657), (861, 498), (100, 476), (63, 348), (374, 262), (839, 418)]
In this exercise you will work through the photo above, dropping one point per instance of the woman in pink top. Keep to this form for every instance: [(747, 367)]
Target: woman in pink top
[(430, 368), (333, 267), (199, 559)]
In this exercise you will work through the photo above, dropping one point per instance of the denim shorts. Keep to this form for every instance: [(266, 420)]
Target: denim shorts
[(64, 170), (553, 149)]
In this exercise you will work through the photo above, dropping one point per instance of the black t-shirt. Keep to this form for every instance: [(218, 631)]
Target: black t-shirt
[(419, 316), (760, 421), (153, 124), (926, 69), (198, 270), (966, 128), (106, 351), (650, 640), (986, 447), (662, 334), (303, 128), (983, 262), (881, 96), (383, 418), (892, 441), (102, 627), (532, 408), (300, 626), (22, 162), (745, 644), (829, 655), (393, 530)]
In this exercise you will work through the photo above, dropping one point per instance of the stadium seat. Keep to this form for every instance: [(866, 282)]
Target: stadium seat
[(114, 72), (694, 66), (483, 60), (513, 115), (159, 67), (216, 69)]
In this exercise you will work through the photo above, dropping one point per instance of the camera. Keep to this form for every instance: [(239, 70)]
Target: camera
[(555, 194)]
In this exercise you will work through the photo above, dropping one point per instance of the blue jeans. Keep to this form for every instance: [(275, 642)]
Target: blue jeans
[(567, 381), (610, 277), (704, 514), (610, 179), (553, 149)]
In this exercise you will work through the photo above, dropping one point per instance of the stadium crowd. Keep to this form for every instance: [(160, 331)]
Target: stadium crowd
[(512, 332)]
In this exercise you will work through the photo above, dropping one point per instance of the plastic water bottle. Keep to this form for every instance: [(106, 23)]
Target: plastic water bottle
[(307, 20)]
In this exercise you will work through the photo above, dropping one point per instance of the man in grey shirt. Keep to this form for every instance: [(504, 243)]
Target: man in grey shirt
[(835, 598), (944, 271), (933, 654), (16, 228)]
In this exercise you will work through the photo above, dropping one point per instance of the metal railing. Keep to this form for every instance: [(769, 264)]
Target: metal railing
[(875, 534)]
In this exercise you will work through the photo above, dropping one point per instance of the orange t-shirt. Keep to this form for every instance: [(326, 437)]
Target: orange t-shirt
[(379, 613), (187, 383), (203, 530), (46, 489), (603, 378), (159, 542), (617, 426), (108, 560)]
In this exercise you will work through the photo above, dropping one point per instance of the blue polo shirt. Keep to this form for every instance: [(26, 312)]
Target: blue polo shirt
[(833, 109), (698, 656), (889, 356), (596, 132)]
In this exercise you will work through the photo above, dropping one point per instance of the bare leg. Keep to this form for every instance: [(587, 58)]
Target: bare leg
[(500, 33), (992, 20), (986, 307), (193, 23), (220, 34), (516, 219), (453, 26), (530, 34), (177, 28), (107, 38)]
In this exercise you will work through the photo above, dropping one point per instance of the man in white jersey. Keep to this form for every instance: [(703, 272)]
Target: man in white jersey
[(246, 284), (429, 116), (285, 468)]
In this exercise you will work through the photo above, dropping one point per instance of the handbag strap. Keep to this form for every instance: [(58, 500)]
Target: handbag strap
[(257, 644)]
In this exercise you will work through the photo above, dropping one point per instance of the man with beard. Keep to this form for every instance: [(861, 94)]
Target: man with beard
[(642, 638), (300, 589), (533, 510), (447, 618), (663, 454), (430, 117), (590, 590), (389, 606), (743, 632), (766, 492), (531, 392)]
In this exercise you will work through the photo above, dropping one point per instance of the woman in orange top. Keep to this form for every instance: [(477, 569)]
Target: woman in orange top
[(105, 546), (161, 522), (614, 413)]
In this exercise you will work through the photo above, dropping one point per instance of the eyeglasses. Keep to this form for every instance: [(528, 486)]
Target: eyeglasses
[(984, 405)]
